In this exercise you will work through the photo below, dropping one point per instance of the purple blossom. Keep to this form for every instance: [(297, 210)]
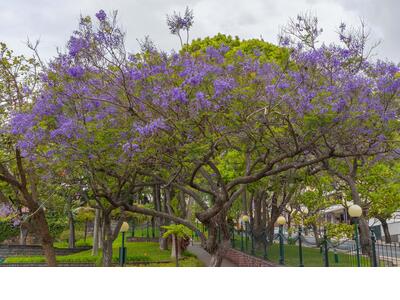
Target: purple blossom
[(76, 44), (179, 95), (202, 101), (21, 122), (223, 85), (76, 71), (177, 23), (151, 127), (101, 15), (135, 74), (67, 127)]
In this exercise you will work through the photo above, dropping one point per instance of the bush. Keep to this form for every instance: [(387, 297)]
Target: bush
[(57, 223), (7, 230)]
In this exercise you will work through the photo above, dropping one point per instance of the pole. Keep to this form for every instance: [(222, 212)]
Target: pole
[(373, 248), (246, 236), (133, 229), (357, 241), (147, 229), (281, 251), (122, 251), (300, 248), (253, 252), (336, 256), (326, 256), (241, 237)]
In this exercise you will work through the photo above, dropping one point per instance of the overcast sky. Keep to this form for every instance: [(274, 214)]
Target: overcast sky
[(52, 21)]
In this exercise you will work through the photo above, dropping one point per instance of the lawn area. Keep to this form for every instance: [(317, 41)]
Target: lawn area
[(136, 252), (311, 257)]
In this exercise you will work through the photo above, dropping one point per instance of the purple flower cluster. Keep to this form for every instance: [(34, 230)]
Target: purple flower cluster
[(179, 95), (151, 128), (176, 22), (21, 122), (101, 15), (76, 71), (76, 44), (222, 85)]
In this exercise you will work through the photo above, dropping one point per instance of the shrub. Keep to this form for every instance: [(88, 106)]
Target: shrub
[(7, 230)]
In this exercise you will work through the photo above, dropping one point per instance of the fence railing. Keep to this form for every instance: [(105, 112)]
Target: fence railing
[(300, 250)]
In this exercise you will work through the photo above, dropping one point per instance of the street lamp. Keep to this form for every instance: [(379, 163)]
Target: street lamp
[(245, 221), (355, 211), (122, 250), (281, 221)]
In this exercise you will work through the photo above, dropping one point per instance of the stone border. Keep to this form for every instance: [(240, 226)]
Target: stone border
[(85, 264), (242, 259), (32, 250), (142, 239)]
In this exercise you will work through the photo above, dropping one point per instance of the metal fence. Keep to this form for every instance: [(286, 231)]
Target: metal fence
[(300, 250)]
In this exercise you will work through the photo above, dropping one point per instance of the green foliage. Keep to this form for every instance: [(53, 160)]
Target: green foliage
[(339, 231), (7, 230), (84, 214), (57, 223), (136, 252), (179, 230), (379, 184), (266, 52)]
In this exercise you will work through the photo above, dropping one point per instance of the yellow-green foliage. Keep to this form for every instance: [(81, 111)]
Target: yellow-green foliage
[(266, 52), (178, 230), (339, 231)]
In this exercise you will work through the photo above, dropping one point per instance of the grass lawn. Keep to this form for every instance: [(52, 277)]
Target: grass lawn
[(136, 252), (311, 257)]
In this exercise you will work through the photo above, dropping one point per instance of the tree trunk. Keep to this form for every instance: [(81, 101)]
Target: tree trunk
[(218, 254), (107, 253), (177, 250), (363, 224), (96, 226), (86, 230), (42, 230), (163, 242), (316, 234), (258, 226), (274, 216), (107, 241), (244, 202), (71, 238), (388, 238), (23, 235)]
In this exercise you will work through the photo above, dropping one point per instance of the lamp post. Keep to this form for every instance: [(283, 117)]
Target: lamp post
[(245, 220), (122, 249), (281, 221), (241, 234), (355, 212)]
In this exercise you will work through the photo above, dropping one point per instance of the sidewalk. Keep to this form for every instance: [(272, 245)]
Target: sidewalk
[(205, 257)]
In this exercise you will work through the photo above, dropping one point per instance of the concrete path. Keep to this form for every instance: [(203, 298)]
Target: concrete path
[(205, 257)]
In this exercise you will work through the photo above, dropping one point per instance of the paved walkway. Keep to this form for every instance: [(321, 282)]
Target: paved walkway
[(205, 257)]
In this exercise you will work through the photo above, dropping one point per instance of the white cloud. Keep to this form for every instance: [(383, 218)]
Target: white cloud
[(53, 21)]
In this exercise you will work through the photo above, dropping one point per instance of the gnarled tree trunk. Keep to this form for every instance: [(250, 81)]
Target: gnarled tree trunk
[(385, 226)]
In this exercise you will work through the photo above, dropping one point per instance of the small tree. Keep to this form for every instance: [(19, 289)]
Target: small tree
[(178, 231)]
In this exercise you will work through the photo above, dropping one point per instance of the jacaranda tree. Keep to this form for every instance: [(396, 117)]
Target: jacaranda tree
[(176, 118)]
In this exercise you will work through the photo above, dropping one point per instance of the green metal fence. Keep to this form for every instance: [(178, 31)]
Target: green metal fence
[(298, 250)]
